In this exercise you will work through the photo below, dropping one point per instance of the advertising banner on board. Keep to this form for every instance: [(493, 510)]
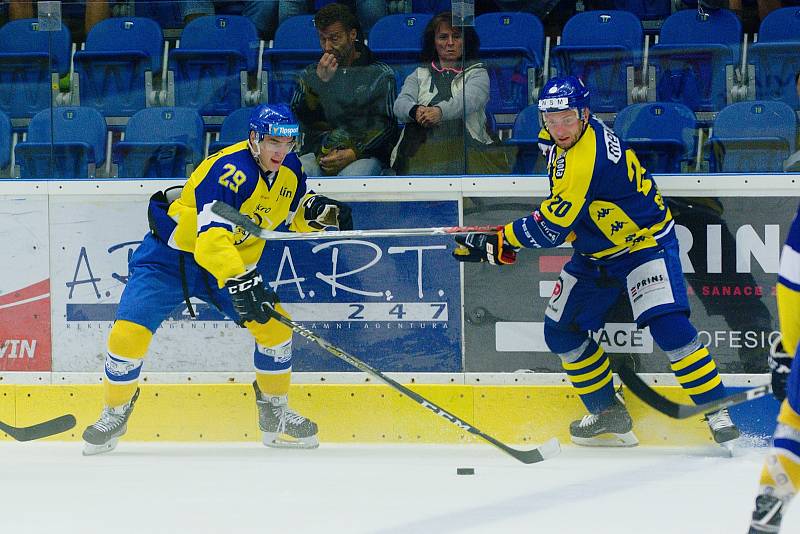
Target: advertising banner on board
[(393, 302), (24, 284), (730, 250)]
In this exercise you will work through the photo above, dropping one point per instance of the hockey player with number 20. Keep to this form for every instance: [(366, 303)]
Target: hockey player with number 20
[(780, 476), (192, 252), (609, 207)]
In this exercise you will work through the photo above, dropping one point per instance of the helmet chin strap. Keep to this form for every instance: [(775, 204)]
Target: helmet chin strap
[(255, 151)]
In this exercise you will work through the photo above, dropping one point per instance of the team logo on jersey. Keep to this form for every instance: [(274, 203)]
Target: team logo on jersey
[(616, 226), (241, 234), (602, 212)]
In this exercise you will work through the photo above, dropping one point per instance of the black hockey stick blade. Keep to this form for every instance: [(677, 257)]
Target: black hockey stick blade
[(40, 430), (682, 411), (543, 452)]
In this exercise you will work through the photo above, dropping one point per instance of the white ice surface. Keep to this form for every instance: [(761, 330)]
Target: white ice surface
[(49, 488)]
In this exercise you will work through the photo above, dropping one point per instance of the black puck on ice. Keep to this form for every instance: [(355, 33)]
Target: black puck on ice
[(465, 471)]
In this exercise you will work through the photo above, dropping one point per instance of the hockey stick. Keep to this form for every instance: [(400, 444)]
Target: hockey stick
[(543, 452), (39, 430), (682, 411), (234, 216)]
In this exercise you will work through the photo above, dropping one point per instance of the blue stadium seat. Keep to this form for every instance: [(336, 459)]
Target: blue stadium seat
[(5, 141), (525, 136), (160, 143), (234, 128), (663, 134), (692, 57), (753, 137), (295, 46), (112, 72), (776, 56), (397, 41), (210, 67), (512, 46), (74, 136), (27, 76), (602, 48)]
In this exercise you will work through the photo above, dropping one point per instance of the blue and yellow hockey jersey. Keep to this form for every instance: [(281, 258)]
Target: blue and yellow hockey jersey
[(788, 289), (233, 176), (601, 199)]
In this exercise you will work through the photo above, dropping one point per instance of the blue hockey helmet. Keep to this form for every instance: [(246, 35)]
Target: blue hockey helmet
[(273, 119), (563, 92)]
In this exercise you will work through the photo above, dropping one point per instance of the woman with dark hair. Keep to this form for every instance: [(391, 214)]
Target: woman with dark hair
[(444, 97)]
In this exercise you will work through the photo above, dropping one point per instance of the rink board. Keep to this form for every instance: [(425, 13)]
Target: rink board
[(348, 413)]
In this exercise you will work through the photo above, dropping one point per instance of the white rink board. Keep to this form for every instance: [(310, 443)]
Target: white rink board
[(24, 238), (248, 489), (93, 236)]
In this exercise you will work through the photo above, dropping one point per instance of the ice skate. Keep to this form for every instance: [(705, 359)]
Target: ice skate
[(103, 435), (613, 427), (767, 515), (281, 426), (722, 428)]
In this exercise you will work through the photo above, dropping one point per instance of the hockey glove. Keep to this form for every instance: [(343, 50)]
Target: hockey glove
[(780, 363), (251, 298), (323, 213), (494, 248)]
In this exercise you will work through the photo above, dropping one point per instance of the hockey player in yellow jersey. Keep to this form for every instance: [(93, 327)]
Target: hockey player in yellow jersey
[(780, 476), (608, 206), (192, 252)]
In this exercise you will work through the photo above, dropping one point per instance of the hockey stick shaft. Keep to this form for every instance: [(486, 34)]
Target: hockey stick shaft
[(682, 411), (232, 215), (543, 452), (39, 430)]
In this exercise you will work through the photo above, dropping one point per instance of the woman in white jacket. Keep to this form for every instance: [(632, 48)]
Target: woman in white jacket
[(446, 93)]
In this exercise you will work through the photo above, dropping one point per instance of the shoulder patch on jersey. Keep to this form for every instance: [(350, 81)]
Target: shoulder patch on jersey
[(613, 147)]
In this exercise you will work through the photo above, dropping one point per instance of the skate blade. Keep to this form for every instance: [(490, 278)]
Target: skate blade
[(91, 450), (282, 441), (729, 446), (627, 439)]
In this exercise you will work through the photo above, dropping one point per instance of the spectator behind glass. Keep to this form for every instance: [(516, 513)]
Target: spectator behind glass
[(95, 11), (344, 102), (263, 13), (267, 15), (448, 91)]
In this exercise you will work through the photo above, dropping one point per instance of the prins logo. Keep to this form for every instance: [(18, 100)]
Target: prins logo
[(645, 285)]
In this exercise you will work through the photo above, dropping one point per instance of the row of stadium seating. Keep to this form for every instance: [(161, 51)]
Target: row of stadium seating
[(220, 65), (166, 142), (754, 136)]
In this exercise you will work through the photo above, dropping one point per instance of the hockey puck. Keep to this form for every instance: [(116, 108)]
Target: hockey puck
[(465, 471)]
